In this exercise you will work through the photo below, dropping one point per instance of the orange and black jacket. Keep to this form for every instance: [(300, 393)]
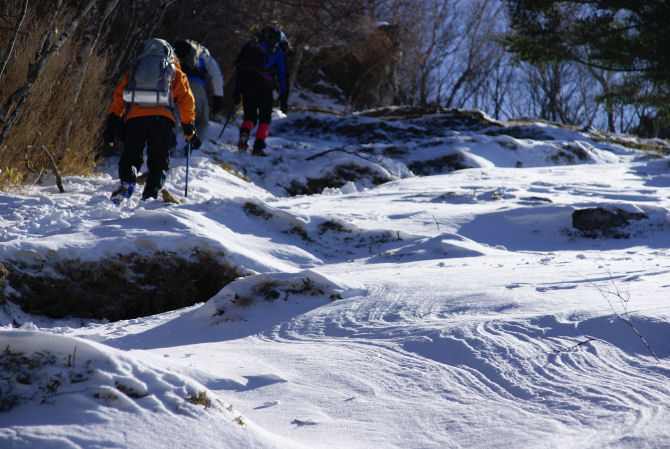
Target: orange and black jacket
[(181, 91)]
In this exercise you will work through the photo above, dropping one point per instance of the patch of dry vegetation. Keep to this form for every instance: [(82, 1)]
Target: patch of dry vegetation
[(42, 122), (121, 287)]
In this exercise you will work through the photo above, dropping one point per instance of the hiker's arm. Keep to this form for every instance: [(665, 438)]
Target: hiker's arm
[(184, 97), (118, 106), (214, 74), (281, 74)]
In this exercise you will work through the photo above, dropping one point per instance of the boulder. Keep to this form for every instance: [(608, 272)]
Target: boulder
[(604, 221)]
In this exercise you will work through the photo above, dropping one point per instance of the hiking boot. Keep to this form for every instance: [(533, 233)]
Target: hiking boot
[(124, 191), (259, 146), (243, 142), (149, 193)]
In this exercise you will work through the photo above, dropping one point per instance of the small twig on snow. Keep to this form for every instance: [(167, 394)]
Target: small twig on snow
[(624, 298), (573, 347), (314, 156)]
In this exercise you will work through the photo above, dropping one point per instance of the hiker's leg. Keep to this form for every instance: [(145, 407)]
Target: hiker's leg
[(158, 154), (132, 157), (265, 101), (250, 105)]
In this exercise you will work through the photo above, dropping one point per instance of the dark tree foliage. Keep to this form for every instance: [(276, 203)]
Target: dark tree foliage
[(627, 36)]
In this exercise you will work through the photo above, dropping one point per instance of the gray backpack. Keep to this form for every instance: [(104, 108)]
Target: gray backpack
[(150, 79)]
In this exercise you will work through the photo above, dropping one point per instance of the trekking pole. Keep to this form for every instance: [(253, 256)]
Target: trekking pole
[(188, 154), (232, 111)]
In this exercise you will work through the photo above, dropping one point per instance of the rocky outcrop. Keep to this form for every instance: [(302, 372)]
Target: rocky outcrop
[(364, 71), (597, 221)]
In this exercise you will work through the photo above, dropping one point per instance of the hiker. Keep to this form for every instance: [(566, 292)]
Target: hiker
[(261, 67), (202, 70), (142, 113)]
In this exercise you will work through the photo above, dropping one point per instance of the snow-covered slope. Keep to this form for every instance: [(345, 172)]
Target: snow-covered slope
[(406, 280)]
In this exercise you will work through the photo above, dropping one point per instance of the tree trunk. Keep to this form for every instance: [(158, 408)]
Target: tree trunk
[(600, 77)]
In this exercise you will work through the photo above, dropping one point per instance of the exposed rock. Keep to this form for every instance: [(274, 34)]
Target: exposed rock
[(338, 177), (520, 132), (448, 162), (365, 71), (606, 222)]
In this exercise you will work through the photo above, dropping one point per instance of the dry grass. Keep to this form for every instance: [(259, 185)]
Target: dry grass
[(230, 168), (199, 399), (43, 118), (50, 108)]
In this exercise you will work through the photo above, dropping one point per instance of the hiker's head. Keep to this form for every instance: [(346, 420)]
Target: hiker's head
[(274, 36), (182, 48)]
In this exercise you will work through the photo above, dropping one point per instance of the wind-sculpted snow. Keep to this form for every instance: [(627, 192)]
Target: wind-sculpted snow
[(92, 388), (581, 377)]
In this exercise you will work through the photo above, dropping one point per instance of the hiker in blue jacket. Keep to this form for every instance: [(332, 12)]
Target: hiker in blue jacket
[(261, 68), (202, 70)]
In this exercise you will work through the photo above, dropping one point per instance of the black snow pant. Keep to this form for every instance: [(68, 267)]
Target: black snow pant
[(257, 97), (156, 133)]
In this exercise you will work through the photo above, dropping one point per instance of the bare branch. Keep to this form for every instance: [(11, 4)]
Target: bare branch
[(12, 41), (623, 298), (54, 167)]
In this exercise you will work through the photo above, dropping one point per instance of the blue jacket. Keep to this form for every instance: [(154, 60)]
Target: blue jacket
[(273, 66), (276, 65)]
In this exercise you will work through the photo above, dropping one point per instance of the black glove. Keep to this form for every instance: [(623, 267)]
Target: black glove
[(189, 130), (195, 142), (191, 136), (237, 98), (283, 104), (114, 128), (217, 104)]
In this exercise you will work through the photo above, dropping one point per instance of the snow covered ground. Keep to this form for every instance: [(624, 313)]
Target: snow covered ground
[(414, 306)]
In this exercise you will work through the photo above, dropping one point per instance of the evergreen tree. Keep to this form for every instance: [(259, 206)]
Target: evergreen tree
[(631, 37)]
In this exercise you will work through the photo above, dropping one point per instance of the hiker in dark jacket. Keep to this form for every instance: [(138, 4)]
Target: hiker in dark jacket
[(144, 118), (202, 71), (261, 68)]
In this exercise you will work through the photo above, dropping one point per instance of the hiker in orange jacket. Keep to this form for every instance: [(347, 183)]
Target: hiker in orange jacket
[(149, 124)]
